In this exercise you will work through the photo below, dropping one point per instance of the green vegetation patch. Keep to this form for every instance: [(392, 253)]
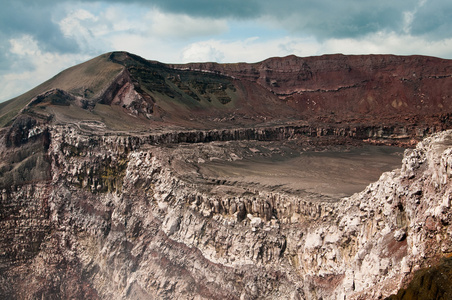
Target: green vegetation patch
[(105, 177), (430, 283)]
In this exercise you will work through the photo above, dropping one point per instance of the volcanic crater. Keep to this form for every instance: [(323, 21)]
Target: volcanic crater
[(303, 178)]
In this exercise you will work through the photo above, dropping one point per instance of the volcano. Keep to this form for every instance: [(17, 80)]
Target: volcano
[(292, 178), (126, 92)]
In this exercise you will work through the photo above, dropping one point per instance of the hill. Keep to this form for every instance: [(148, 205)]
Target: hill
[(403, 95)]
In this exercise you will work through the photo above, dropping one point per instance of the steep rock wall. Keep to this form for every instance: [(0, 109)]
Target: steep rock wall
[(115, 221), (349, 85)]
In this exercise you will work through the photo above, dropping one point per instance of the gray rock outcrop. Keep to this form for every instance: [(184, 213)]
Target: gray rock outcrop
[(116, 218)]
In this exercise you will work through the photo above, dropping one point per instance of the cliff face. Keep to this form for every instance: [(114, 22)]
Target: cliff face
[(115, 217), (350, 85), (117, 180)]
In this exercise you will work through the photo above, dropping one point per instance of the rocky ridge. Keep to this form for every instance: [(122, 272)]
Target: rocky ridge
[(124, 92), (348, 84)]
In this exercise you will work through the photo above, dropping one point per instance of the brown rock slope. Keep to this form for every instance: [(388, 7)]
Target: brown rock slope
[(354, 86), (373, 96)]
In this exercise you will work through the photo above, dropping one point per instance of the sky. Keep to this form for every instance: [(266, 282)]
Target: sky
[(40, 38)]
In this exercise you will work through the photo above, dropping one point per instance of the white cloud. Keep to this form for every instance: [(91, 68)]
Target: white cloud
[(249, 50), (409, 16), (150, 33), (148, 47), (74, 24), (24, 45), (85, 28), (253, 50), (389, 43), (226, 51), (169, 25), (40, 66), (118, 19), (202, 52)]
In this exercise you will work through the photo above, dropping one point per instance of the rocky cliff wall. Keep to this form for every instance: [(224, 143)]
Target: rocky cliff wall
[(396, 134), (349, 85), (113, 219)]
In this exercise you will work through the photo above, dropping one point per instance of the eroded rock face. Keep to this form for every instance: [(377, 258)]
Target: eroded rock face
[(105, 190), (365, 96), (115, 217), (348, 84)]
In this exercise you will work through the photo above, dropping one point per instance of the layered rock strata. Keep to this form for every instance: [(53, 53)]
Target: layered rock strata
[(111, 217), (348, 84), (129, 93), (103, 195)]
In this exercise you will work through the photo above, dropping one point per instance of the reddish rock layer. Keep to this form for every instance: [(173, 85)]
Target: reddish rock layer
[(352, 86)]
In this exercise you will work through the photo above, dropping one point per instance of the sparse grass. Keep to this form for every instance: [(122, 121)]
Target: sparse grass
[(87, 79), (198, 91)]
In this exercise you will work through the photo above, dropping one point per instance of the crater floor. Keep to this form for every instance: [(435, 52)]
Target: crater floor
[(327, 173)]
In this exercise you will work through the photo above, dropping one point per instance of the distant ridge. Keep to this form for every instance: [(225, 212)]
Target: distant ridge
[(124, 91)]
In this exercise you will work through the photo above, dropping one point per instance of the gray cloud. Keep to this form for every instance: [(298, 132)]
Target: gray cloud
[(433, 19), (230, 8), (321, 18), (25, 17), (325, 18), (341, 19)]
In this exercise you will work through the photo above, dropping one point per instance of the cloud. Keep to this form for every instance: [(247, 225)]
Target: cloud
[(206, 30), (324, 18), (205, 51), (249, 50), (183, 26), (23, 17), (339, 19), (433, 19), (31, 66), (80, 25), (241, 9), (255, 49), (390, 43)]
